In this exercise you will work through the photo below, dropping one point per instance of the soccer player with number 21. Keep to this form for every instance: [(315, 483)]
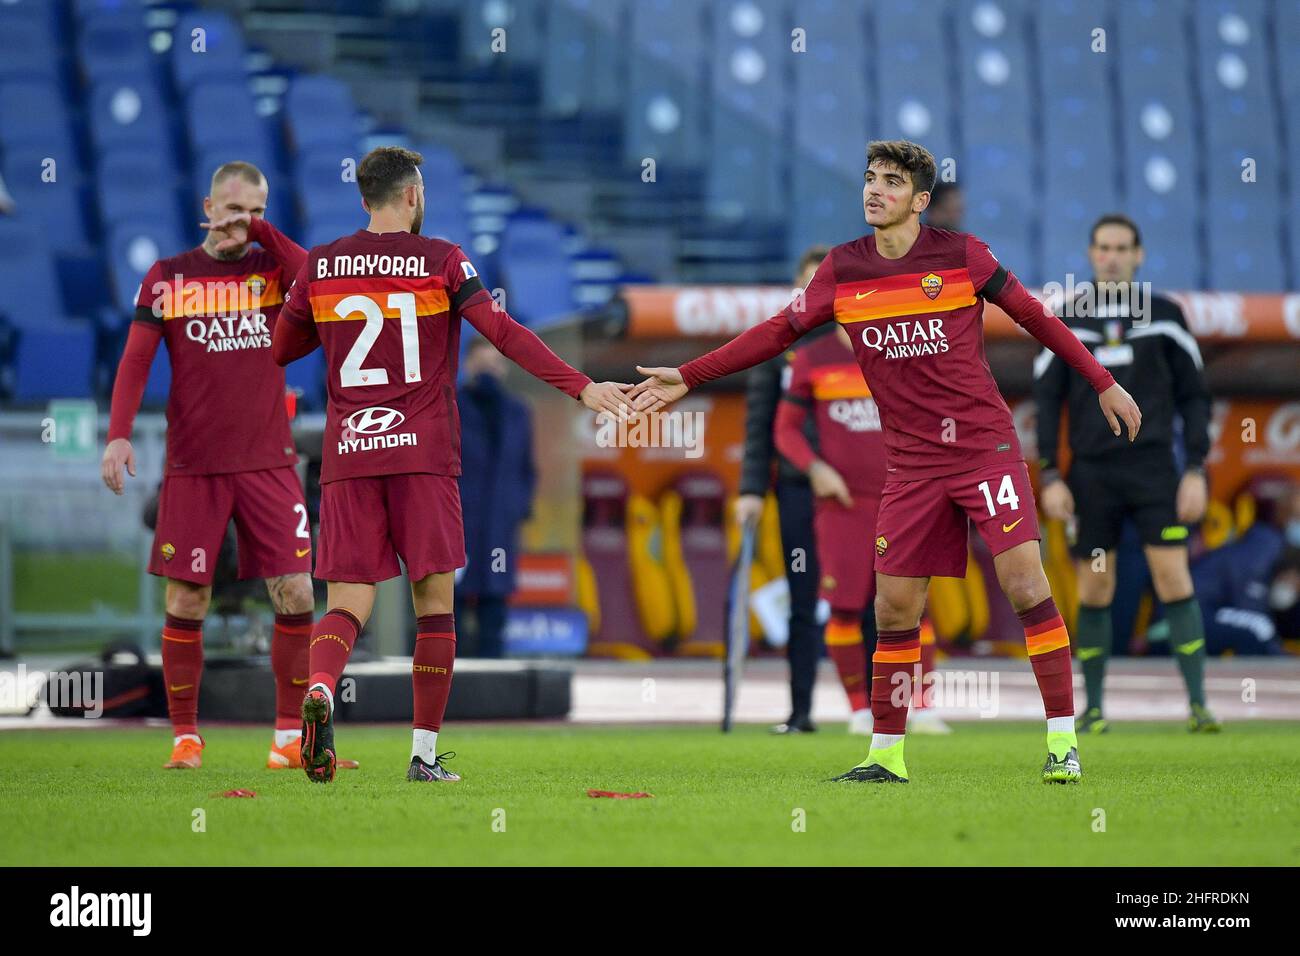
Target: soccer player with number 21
[(385, 304)]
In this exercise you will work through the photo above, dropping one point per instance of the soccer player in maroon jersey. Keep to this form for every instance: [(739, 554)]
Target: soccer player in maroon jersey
[(845, 463), (385, 304), (229, 451), (910, 298)]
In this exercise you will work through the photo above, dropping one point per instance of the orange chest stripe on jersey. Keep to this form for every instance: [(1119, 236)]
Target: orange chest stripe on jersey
[(325, 307), (833, 382), (870, 300), (220, 295)]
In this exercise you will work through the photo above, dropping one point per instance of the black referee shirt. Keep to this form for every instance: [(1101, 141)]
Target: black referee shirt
[(1153, 356)]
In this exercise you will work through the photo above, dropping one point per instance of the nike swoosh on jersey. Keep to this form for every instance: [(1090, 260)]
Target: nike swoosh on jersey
[(174, 688), (863, 295), (303, 553), (1008, 528)]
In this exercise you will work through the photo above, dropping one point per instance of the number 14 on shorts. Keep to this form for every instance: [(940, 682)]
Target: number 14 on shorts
[(1006, 496)]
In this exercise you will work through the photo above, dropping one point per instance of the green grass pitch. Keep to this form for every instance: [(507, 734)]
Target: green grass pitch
[(91, 797)]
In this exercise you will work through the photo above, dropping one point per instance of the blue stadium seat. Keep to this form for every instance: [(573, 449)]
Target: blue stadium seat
[(220, 112), (53, 354), (748, 103), (444, 184), (321, 190), (114, 47), (1234, 76), (522, 21), (1152, 46), (132, 248), (58, 204), (319, 111), (222, 57), (584, 59), (322, 230), (1064, 39), (829, 204), (85, 10), (128, 112), (28, 50), (913, 100), (833, 118), (1246, 258), (33, 113), (134, 184), (536, 271), (665, 109)]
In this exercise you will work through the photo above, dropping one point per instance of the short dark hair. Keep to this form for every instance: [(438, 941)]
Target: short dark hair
[(1115, 219), (912, 157), (812, 256), (385, 171)]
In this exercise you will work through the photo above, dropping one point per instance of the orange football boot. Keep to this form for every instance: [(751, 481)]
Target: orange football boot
[(289, 757), (186, 755)]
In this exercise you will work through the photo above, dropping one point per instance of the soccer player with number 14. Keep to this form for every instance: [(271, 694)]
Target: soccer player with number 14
[(910, 298)]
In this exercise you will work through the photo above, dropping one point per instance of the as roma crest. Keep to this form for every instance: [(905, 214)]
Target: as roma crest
[(257, 285), (932, 285)]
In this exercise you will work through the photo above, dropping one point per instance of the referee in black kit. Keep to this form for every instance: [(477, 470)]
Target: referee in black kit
[(794, 498), (1151, 353)]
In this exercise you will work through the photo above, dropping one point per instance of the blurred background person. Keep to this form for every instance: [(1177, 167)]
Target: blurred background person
[(1241, 584), (1149, 350), (947, 207), (794, 500), (497, 482)]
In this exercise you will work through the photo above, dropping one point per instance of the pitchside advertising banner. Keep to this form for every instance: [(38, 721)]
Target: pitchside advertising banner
[(725, 311)]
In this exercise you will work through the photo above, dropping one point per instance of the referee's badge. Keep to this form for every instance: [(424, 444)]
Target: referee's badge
[(1114, 332)]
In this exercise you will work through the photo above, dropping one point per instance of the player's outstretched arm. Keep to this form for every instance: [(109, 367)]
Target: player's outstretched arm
[(522, 346), (128, 388), (751, 347)]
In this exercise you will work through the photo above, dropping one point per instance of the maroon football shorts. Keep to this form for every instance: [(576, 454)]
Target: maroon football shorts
[(273, 535), (367, 523), (846, 554), (923, 528)]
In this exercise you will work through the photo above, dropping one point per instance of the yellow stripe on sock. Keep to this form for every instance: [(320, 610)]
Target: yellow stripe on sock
[(839, 634), (910, 655), (1048, 641)]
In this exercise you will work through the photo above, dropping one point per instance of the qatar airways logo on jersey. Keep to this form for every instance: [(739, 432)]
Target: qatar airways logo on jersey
[(372, 428), (910, 339), (855, 414), (230, 333)]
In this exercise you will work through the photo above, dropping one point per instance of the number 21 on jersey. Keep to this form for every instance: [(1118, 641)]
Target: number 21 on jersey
[(351, 373)]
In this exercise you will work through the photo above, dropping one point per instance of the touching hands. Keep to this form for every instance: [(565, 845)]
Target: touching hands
[(662, 387), (607, 397)]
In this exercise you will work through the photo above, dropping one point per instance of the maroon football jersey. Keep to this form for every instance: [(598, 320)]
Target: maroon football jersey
[(824, 376), (387, 308), (225, 408)]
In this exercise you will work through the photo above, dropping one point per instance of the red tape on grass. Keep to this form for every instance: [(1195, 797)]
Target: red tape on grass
[(617, 796)]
